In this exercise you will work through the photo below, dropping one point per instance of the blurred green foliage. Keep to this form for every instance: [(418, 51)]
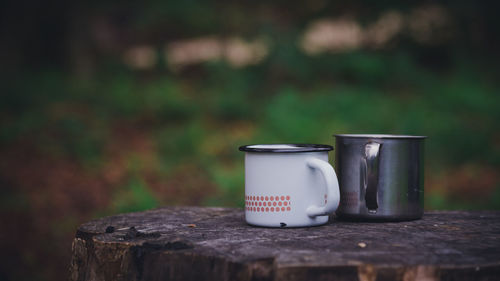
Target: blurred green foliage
[(189, 119), (133, 197), (83, 134)]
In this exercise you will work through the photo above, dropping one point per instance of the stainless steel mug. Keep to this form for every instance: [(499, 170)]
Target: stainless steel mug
[(381, 177)]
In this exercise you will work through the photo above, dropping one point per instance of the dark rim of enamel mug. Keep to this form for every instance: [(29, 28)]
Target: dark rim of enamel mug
[(300, 147), (379, 136)]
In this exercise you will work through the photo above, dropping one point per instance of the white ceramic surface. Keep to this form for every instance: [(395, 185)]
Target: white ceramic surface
[(292, 189)]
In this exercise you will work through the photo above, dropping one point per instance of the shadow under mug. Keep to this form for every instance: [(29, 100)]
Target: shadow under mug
[(289, 185)]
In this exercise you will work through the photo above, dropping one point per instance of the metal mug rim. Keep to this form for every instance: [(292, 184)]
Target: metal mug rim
[(379, 136)]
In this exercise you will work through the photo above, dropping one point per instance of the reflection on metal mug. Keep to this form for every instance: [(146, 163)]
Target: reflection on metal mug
[(381, 177)]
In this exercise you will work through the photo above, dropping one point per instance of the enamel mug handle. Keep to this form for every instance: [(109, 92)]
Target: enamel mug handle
[(332, 188)]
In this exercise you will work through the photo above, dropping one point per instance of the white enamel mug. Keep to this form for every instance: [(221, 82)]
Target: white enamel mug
[(289, 185)]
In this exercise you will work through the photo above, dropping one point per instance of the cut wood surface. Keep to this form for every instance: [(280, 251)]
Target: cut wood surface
[(195, 243)]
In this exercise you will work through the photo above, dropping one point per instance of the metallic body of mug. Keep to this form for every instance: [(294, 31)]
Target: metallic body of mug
[(381, 177)]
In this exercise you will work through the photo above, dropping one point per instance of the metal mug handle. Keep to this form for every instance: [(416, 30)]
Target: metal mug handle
[(332, 188), (371, 176)]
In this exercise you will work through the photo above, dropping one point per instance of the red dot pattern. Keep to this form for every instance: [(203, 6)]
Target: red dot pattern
[(266, 204)]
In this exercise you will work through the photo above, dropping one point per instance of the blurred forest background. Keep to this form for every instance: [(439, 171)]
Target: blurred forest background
[(121, 106)]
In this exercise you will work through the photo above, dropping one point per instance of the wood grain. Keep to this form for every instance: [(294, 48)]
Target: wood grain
[(194, 243)]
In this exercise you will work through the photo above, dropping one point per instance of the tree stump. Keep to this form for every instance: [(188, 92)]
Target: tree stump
[(194, 243)]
